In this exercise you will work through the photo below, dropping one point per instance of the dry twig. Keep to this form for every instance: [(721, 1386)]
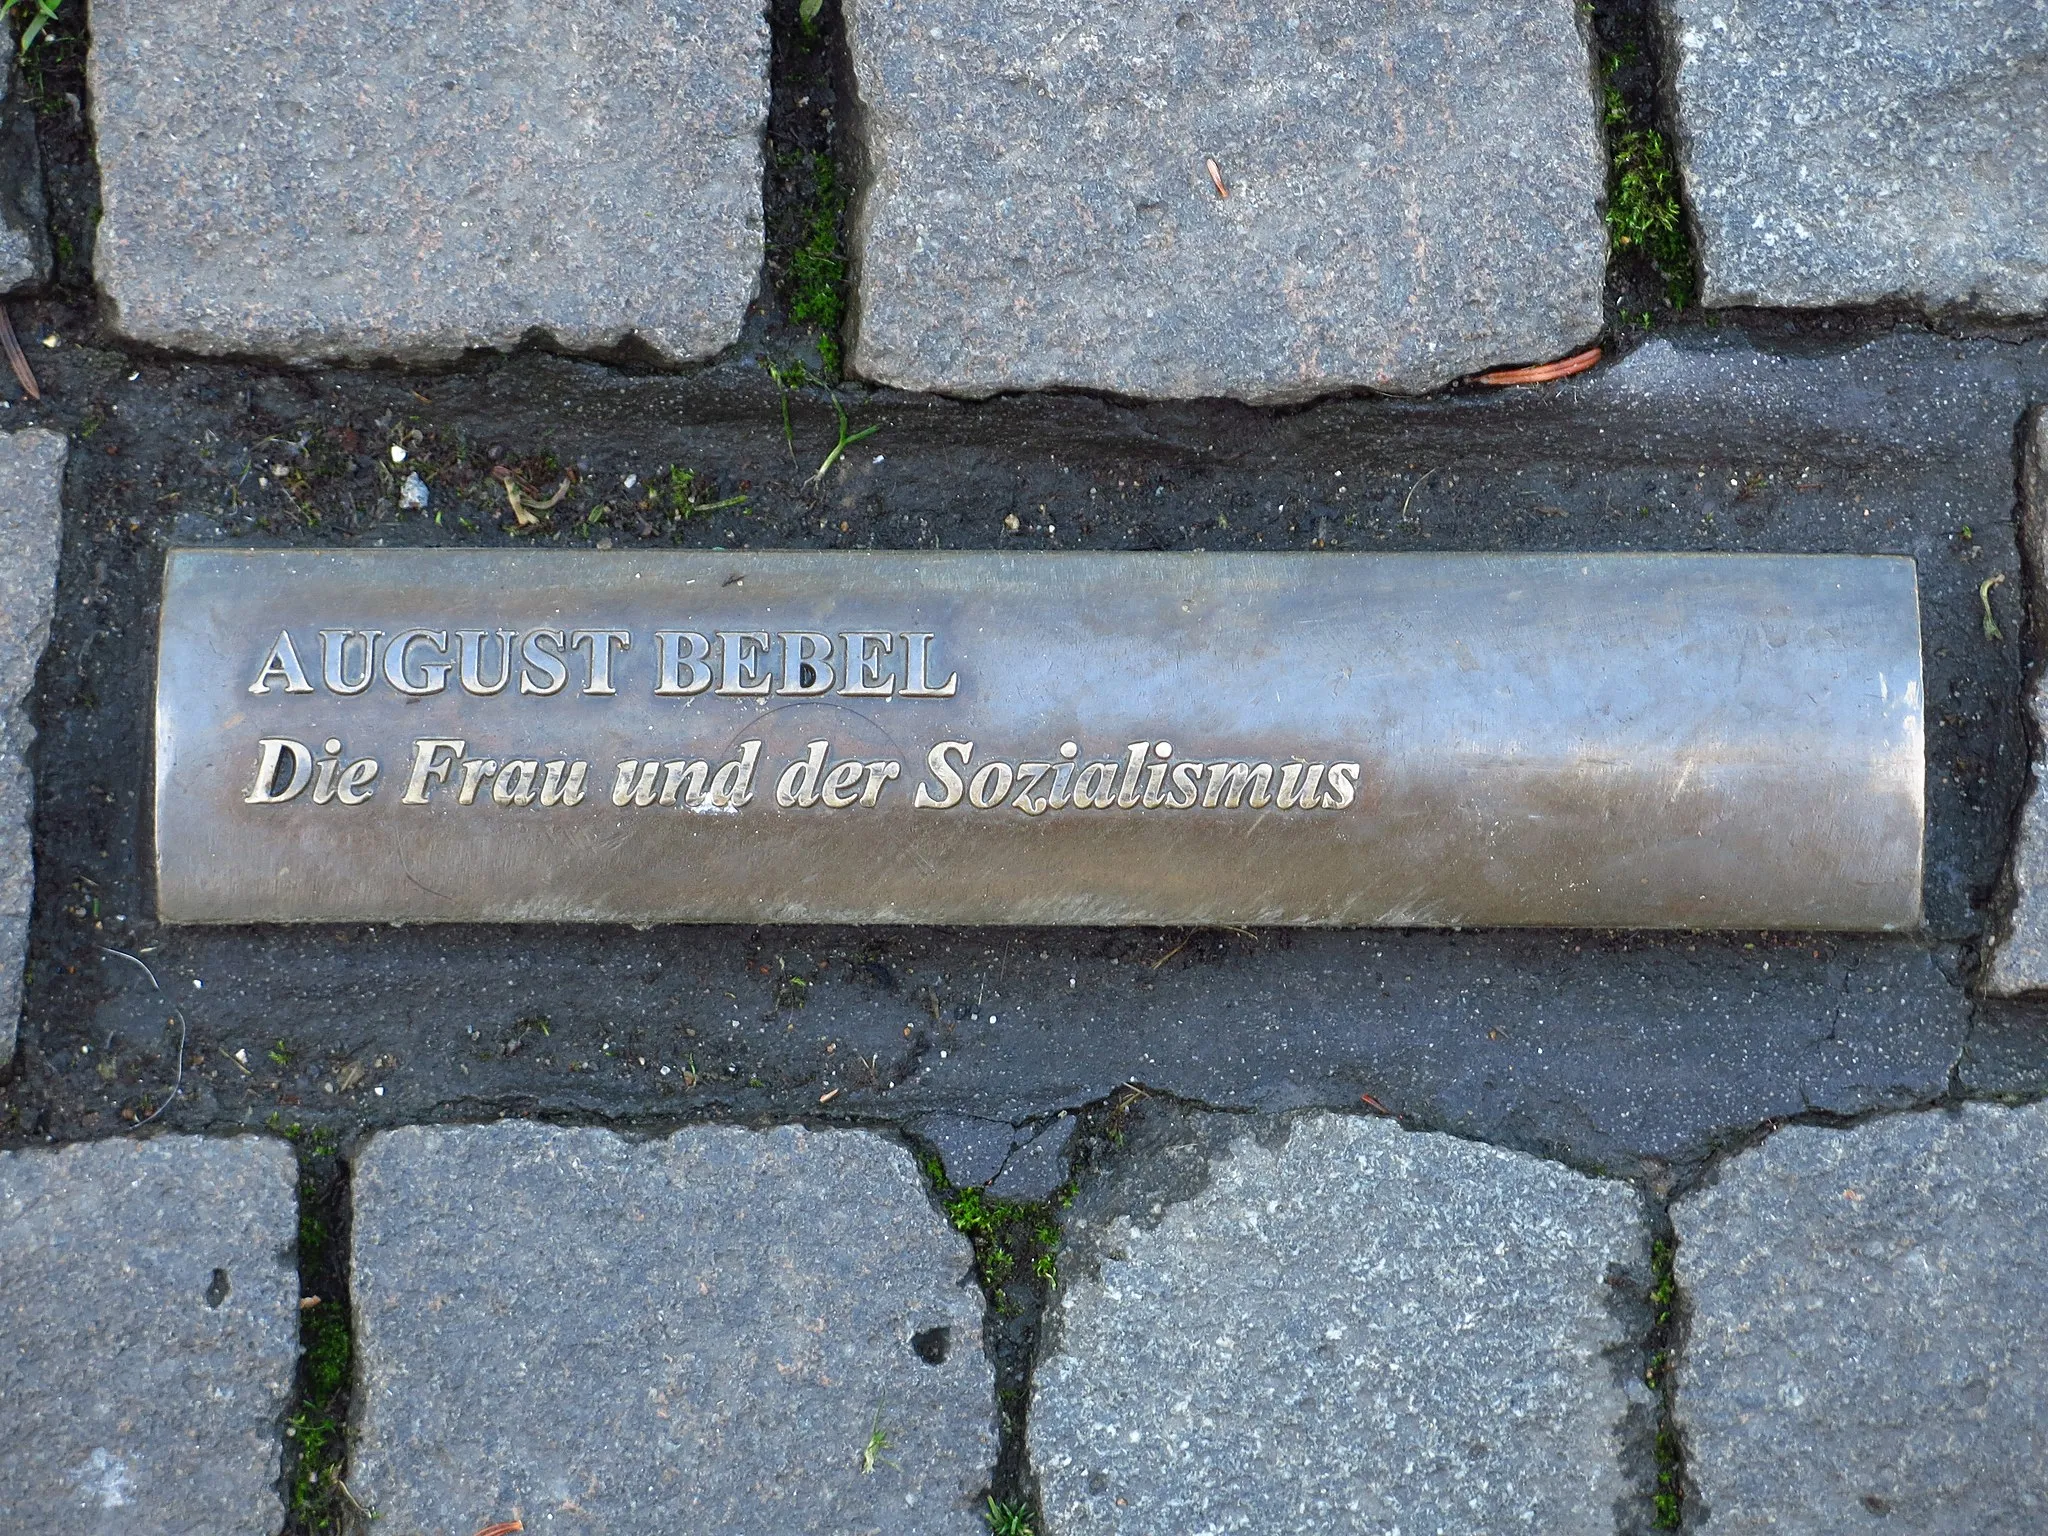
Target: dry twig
[(1544, 373), (16, 358), (525, 512)]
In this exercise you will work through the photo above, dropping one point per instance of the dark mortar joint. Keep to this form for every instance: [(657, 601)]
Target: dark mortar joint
[(1652, 270), (1017, 1250), (313, 1482), (812, 167), (1655, 1441), (53, 83)]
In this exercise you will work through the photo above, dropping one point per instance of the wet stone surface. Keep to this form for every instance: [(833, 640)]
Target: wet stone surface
[(31, 524), (149, 1306), (408, 181), (706, 1332), (1400, 195), (1841, 152), (1863, 1350), (1346, 1327)]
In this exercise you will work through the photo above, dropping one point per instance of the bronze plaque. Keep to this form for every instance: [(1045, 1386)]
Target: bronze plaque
[(1695, 741)]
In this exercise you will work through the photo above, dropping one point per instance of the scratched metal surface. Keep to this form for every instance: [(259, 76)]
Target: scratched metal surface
[(1647, 740)]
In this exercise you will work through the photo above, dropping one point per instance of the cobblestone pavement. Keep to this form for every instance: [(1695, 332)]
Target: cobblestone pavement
[(1053, 1231)]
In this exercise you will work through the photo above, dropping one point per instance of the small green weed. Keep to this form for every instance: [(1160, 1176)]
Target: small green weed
[(688, 494), (788, 377), (1644, 215), (1009, 1519), (878, 1441), (846, 440), (34, 17)]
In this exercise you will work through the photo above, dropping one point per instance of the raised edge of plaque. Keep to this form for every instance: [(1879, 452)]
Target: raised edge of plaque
[(1442, 740)]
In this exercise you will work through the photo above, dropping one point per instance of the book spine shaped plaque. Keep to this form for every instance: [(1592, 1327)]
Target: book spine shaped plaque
[(1631, 741)]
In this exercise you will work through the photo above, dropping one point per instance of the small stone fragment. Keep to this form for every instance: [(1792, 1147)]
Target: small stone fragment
[(1363, 1330), (1864, 1349), (31, 531), (150, 1307), (409, 180), (1267, 203), (727, 1330), (2019, 955), (1037, 1164), (972, 1148), (1863, 151)]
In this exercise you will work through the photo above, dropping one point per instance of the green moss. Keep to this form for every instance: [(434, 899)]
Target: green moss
[(1669, 1498), (1664, 1287), (1008, 1235), (817, 269), (1644, 215), (314, 1430)]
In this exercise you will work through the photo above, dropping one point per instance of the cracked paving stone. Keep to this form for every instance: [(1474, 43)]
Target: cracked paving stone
[(149, 1302), (1400, 195), (31, 531), (1863, 1347), (1359, 1329), (1862, 151), (701, 1333), (334, 180)]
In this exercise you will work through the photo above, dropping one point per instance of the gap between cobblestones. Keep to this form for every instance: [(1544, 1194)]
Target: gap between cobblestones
[(1652, 265), (316, 1497)]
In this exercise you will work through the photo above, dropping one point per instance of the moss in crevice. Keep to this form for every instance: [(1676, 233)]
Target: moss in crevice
[(1668, 1497), (317, 1501), (806, 193), (1644, 215), (1016, 1256), (817, 267), (1651, 263)]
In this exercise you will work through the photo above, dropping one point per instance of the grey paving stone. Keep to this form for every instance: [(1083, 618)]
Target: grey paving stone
[(149, 1307), (1856, 151), (1361, 1330), (2018, 961), (31, 531), (1864, 1350), (701, 1333), (1413, 194), (24, 213), (338, 179)]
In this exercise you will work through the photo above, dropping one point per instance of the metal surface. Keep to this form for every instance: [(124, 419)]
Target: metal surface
[(1401, 740)]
